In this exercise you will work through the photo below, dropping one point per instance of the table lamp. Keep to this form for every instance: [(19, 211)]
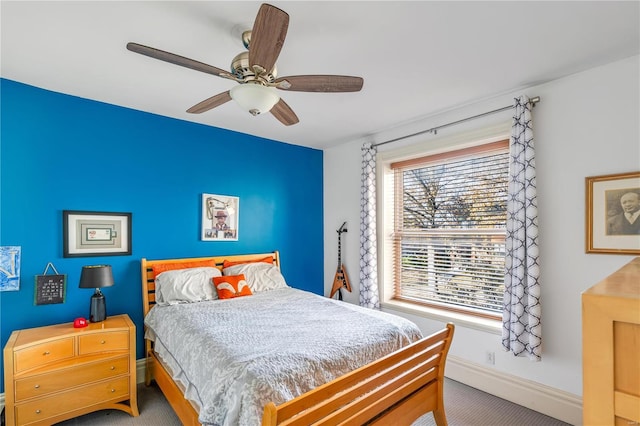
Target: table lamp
[(97, 276)]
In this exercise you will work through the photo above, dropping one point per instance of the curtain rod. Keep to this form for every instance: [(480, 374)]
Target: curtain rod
[(434, 130)]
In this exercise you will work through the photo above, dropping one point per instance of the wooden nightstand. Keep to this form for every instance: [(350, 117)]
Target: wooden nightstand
[(58, 372)]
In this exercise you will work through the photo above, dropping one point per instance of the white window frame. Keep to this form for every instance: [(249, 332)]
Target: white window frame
[(385, 211)]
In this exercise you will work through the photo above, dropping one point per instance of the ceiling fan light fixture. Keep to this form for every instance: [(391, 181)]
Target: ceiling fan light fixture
[(254, 97)]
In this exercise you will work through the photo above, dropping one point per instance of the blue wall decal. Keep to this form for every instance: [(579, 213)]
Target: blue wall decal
[(9, 268)]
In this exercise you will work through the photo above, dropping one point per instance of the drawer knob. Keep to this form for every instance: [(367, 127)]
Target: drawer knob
[(46, 353), (37, 386), (113, 390), (102, 342), (113, 367), (38, 411)]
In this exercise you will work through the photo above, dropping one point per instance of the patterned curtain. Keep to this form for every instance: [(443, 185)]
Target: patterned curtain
[(368, 241), (521, 328)]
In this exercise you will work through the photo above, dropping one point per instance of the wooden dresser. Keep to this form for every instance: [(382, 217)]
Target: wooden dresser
[(611, 349), (57, 372)]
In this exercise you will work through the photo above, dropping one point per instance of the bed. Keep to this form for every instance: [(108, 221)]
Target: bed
[(221, 361)]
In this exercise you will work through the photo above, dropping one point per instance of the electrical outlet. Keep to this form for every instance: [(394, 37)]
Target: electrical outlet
[(490, 358)]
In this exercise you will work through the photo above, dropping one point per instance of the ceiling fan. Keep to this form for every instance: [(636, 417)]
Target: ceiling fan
[(256, 71)]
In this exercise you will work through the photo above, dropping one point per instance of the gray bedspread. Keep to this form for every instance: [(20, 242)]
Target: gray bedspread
[(233, 356)]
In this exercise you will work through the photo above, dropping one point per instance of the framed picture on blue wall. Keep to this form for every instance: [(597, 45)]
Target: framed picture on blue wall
[(96, 233), (220, 217)]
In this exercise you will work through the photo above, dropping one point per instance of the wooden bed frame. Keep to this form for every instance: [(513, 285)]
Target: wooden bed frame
[(396, 389)]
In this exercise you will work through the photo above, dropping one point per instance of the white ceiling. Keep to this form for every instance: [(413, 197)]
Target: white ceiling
[(416, 58)]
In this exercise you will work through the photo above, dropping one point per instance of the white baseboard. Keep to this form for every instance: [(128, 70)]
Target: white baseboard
[(544, 399), (555, 403), (140, 370)]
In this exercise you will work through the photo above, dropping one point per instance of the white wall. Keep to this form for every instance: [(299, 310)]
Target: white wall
[(586, 124)]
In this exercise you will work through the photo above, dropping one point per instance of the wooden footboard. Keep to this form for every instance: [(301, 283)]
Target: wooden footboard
[(396, 389)]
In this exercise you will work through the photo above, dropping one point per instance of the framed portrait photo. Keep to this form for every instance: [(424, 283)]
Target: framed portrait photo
[(220, 215), (96, 233), (613, 214)]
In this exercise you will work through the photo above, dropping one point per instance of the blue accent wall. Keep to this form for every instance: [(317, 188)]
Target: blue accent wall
[(60, 152)]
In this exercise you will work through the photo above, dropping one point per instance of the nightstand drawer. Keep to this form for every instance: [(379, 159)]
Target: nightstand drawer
[(102, 342), (44, 384), (42, 354), (60, 403)]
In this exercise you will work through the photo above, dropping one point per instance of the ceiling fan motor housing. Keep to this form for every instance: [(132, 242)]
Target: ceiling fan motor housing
[(240, 68)]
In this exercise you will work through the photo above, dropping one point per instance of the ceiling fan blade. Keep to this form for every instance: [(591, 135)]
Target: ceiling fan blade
[(284, 113), (178, 60), (320, 83), (267, 36), (210, 103)]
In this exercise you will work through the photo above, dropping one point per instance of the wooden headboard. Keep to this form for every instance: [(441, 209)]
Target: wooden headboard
[(148, 280)]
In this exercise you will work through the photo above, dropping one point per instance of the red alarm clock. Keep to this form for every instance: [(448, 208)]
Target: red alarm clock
[(80, 322)]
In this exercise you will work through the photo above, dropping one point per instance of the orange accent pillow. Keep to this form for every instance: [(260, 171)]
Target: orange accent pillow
[(162, 267), (231, 286), (228, 263)]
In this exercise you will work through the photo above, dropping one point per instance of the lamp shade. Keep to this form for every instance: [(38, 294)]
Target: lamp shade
[(254, 97), (96, 276)]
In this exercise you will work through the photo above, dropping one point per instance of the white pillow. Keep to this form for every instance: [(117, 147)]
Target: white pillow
[(186, 285), (260, 276)]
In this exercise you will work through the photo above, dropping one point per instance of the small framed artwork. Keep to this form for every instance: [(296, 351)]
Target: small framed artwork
[(49, 289), (96, 233), (220, 217), (613, 214), (10, 259)]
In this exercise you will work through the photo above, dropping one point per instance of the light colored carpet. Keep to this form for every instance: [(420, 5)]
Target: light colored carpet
[(464, 405)]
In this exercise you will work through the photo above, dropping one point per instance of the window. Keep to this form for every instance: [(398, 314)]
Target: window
[(448, 238)]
